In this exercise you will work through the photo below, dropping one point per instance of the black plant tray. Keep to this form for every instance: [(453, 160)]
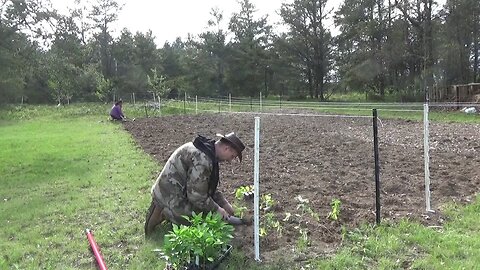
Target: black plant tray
[(213, 265)]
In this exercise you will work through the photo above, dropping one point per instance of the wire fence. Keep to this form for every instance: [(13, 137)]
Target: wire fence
[(154, 106), (279, 107)]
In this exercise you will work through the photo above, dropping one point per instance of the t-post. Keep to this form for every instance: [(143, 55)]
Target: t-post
[(377, 166), (185, 104)]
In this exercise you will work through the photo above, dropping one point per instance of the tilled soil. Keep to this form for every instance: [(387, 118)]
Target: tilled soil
[(325, 158)]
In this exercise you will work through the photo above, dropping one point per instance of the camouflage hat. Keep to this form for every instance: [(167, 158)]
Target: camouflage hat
[(234, 141)]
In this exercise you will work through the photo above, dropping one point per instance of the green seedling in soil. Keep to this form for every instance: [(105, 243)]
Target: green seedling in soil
[(302, 242), (271, 223), (243, 191), (304, 206), (266, 202), (263, 232), (239, 204), (335, 213), (278, 227), (344, 232), (240, 209)]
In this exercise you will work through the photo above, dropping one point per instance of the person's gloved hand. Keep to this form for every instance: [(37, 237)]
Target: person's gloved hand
[(229, 208), (239, 221), (223, 213)]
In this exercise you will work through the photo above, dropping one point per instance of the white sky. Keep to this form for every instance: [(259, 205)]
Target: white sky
[(169, 19)]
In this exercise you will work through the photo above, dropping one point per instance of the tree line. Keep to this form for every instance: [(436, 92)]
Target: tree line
[(382, 48)]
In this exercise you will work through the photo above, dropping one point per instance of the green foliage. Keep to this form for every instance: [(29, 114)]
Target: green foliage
[(303, 240), (373, 54), (271, 223), (247, 56), (311, 36), (157, 83), (266, 202), (243, 191), (335, 212), (205, 238), (304, 205), (104, 87)]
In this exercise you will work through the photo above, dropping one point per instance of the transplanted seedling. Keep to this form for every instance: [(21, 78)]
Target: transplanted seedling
[(335, 212), (304, 206), (266, 202), (303, 242), (270, 222), (239, 204), (244, 192)]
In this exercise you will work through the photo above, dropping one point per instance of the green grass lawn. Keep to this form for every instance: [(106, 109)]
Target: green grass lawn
[(67, 169), (61, 175)]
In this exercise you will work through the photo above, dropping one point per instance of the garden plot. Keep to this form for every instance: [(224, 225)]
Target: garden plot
[(311, 167)]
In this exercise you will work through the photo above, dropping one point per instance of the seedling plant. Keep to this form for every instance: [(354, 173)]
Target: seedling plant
[(335, 212), (268, 221), (244, 192), (304, 206), (303, 242), (241, 194), (200, 243)]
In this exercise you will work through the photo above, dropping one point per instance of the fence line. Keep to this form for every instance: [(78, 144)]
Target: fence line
[(425, 111), (259, 103), (227, 106)]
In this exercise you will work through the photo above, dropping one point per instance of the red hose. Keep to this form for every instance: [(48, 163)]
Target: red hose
[(96, 252)]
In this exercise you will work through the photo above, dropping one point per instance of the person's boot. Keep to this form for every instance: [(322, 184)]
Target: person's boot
[(153, 218)]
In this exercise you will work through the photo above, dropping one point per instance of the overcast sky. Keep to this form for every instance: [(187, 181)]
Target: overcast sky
[(169, 19)]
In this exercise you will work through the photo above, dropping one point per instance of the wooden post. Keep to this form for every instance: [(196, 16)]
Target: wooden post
[(457, 93)]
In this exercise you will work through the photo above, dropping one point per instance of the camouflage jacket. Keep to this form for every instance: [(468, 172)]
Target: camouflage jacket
[(183, 184)]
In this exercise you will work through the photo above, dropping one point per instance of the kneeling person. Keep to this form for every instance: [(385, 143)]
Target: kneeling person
[(188, 182)]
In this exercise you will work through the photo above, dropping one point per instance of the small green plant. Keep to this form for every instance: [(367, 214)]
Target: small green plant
[(278, 227), (239, 205), (344, 232), (239, 209), (335, 212), (266, 202), (263, 232), (243, 191), (201, 242), (270, 222), (304, 206), (303, 241)]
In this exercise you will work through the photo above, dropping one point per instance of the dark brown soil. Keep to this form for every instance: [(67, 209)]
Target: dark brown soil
[(323, 158)]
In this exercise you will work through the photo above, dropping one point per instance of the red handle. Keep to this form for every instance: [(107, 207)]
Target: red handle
[(96, 252)]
